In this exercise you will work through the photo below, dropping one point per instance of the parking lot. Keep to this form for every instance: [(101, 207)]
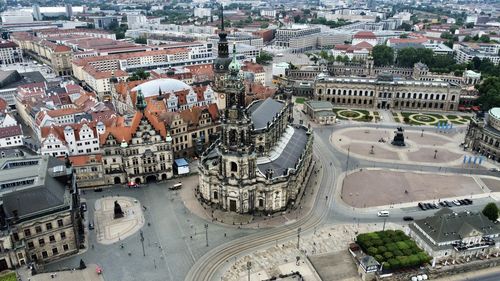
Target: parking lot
[(369, 188)]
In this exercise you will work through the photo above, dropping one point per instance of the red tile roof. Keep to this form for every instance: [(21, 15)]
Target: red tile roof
[(10, 131), (365, 35), (82, 160)]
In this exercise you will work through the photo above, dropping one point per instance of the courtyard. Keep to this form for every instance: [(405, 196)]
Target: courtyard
[(362, 189), (356, 114), (424, 146)]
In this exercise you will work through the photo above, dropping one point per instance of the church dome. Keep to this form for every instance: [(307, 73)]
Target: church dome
[(150, 88)]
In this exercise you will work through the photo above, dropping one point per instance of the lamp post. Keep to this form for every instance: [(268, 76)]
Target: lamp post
[(298, 238), (422, 134), (206, 232), (142, 242), (249, 266), (435, 153)]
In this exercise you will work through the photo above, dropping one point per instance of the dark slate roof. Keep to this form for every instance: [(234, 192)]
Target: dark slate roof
[(447, 225), (290, 154), (46, 193), (13, 79), (263, 111), (368, 261)]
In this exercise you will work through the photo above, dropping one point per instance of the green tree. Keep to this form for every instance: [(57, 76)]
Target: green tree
[(469, 25), (139, 74), (383, 55), (264, 25), (484, 39), (491, 211), (489, 91), (467, 38), (264, 57), (141, 40)]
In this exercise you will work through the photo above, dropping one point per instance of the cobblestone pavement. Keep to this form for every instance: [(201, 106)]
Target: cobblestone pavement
[(269, 260)]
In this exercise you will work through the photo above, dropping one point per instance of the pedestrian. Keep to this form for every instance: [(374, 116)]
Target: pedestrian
[(225, 234), (192, 237)]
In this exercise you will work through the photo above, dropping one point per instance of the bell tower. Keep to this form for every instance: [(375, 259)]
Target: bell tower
[(221, 63), (236, 146)]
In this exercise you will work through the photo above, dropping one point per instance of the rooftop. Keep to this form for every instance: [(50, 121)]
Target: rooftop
[(263, 111)]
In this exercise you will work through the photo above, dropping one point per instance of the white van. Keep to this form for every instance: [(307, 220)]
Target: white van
[(383, 214)]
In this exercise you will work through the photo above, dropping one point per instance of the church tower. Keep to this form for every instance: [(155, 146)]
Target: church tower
[(238, 156), (221, 63)]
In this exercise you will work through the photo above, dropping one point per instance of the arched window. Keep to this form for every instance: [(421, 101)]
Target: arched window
[(234, 167)]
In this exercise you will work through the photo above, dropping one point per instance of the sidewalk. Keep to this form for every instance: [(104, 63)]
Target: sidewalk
[(88, 274), (470, 275)]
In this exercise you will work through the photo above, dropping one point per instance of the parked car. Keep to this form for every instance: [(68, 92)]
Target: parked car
[(448, 203), (462, 202), (383, 214), (456, 202), (83, 206), (469, 201), (91, 225), (442, 203), (428, 206), (422, 206), (407, 218), (98, 189)]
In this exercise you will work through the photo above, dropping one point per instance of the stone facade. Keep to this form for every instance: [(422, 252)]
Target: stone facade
[(385, 92), (244, 171), (483, 134), (139, 151)]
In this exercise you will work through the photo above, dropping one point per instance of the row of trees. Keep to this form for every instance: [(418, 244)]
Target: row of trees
[(393, 249)]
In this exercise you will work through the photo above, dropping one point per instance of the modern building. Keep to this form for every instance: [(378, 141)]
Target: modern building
[(448, 234), (320, 112), (387, 92), (261, 162), (10, 53), (47, 225), (285, 34), (465, 52), (483, 134), (104, 22), (202, 12)]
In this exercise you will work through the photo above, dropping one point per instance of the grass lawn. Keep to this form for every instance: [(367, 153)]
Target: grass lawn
[(467, 118), (11, 276), (438, 116), (450, 117), (300, 100)]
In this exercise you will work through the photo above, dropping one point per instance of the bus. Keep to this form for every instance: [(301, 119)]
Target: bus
[(176, 186)]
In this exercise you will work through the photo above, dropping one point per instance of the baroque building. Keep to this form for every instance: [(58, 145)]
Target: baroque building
[(483, 134), (387, 92), (262, 161)]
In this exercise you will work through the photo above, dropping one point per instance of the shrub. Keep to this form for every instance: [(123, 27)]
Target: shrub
[(386, 265), (381, 249), (407, 252), (398, 253), (372, 251), (406, 119), (394, 263), (380, 258), (391, 247), (378, 242), (388, 255), (402, 245)]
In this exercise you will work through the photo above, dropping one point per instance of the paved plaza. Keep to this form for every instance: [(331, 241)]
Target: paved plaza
[(110, 230), (280, 258), (375, 144), (376, 187)]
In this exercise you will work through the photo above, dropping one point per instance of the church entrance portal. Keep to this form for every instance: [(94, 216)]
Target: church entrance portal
[(232, 205)]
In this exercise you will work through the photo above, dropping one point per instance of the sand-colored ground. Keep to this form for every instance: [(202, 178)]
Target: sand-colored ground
[(492, 184), (420, 148), (370, 188), (110, 230)]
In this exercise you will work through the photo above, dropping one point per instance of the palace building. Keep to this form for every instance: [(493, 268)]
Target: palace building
[(262, 161), (387, 92), (483, 134)]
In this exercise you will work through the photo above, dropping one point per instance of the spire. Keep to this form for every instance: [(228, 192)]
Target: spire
[(234, 66), (140, 101), (222, 16)]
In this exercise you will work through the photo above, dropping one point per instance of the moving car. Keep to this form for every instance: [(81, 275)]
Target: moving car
[(98, 189), (91, 225), (407, 218), (383, 213), (133, 184), (83, 206)]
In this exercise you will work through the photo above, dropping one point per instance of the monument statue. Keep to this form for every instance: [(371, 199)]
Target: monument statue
[(118, 211), (399, 138)]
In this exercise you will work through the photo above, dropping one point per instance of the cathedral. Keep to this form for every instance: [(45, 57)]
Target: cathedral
[(262, 161)]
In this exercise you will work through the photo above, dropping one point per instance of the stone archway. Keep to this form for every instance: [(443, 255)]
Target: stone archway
[(117, 180), (163, 176), (151, 178), (138, 180)]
